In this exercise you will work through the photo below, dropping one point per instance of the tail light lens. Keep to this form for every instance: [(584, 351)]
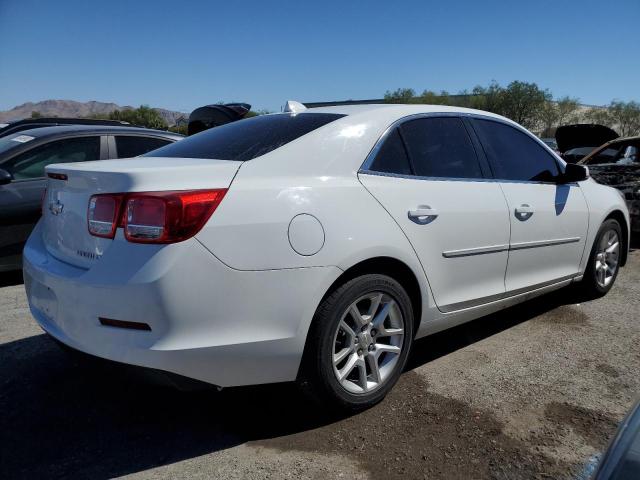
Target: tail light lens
[(102, 215), (161, 217)]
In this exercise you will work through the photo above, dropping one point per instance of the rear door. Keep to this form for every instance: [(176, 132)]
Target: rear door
[(548, 219), (21, 199), (427, 175)]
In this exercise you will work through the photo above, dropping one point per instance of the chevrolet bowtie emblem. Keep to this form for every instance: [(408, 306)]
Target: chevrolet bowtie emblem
[(56, 208)]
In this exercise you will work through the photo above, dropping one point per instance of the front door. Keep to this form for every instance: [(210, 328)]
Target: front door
[(548, 219)]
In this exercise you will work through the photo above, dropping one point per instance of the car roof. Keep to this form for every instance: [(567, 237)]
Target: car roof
[(399, 109), (63, 130)]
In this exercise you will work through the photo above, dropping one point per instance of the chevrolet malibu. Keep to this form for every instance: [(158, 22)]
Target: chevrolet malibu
[(314, 245)]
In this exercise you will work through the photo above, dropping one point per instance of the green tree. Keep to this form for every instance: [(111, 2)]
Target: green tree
[(143, 116), (625, 116), (559, 112), (181, 129), (523, 103), (401, 95), (36, 114), (599, 115)]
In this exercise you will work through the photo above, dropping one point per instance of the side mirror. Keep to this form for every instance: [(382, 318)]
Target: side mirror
[(574, 173), (5, 177)]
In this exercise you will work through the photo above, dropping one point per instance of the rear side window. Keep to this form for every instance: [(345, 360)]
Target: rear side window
[(392, 156), (513, 154), (132, 146), (247, 139), (30, 164), (441, 147)]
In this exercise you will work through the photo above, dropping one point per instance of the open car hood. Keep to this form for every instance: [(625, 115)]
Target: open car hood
[(583, 135)]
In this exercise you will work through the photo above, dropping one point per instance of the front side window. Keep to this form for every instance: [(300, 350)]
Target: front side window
[(246, 139), (440, 147), (513, 154), (30, 165), (132, 146)]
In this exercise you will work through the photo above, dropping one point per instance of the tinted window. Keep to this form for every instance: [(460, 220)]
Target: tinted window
[(130, 146), (392, 156), (247, 139), (31, 164), (441, 147), (513, 154)]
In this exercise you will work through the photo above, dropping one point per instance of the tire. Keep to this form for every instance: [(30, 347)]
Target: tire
[(597, 280), (381, 347)]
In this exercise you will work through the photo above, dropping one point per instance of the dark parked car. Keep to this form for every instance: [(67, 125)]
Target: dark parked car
[(617, 164), (23, 156), (31, 123)]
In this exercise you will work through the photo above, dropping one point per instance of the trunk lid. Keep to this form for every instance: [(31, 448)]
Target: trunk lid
[(66, 234)]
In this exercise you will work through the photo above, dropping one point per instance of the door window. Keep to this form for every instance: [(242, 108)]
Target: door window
[(513, 154), (30, 165), (132, 146), (392, 156), (440, 147)]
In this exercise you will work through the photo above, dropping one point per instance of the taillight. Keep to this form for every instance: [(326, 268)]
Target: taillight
[(158, 217), (103, 214)]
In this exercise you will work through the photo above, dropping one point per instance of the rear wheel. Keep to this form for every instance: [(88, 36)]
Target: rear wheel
[(358, 343), (604, 261)]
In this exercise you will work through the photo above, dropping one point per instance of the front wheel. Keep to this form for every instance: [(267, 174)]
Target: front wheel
[(604, 260), (358, 343)]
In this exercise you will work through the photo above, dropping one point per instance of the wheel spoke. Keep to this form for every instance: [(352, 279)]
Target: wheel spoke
[(382, 315), (388, 332), (362, 371), (356, 315), (342, 354), (375, 303), (613, 248), (346, 370), (372, 360), (602, 274), (348, 330), (381, 348)]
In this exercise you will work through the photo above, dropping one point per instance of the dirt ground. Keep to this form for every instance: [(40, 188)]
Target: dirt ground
[(535, 391)]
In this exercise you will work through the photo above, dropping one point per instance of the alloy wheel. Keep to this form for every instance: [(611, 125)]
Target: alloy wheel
[(368, 342), (607, 258)]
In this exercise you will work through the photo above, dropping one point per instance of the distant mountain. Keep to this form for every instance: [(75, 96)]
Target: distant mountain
[(71, 108)]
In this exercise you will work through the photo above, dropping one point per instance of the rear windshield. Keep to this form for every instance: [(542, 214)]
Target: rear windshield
[(246, 139)]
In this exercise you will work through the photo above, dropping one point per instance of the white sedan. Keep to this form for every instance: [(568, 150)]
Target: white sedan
[(315, 244)]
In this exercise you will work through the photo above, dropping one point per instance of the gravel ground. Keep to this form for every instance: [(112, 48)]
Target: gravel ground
[(535, 391)]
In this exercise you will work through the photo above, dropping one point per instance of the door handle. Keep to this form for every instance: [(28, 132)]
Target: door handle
[(524, 212), (423, 214)]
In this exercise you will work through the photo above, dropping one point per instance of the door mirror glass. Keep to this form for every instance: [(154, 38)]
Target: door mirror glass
[(5, 177), (574, 173)]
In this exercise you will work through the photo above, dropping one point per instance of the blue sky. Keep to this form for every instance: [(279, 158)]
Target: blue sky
[(183, 54)]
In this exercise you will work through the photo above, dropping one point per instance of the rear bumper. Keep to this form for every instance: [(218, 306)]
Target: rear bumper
[(208, 322)]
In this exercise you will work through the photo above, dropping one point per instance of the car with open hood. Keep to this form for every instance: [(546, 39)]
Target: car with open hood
[(617, 164), (574, 142)]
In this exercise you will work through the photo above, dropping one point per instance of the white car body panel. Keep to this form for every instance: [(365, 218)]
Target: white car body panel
[(446, 246), (558, 220), (233, 305)]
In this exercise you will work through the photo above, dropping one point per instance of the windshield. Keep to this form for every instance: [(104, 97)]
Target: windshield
[(14, 141), (246, 139)]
